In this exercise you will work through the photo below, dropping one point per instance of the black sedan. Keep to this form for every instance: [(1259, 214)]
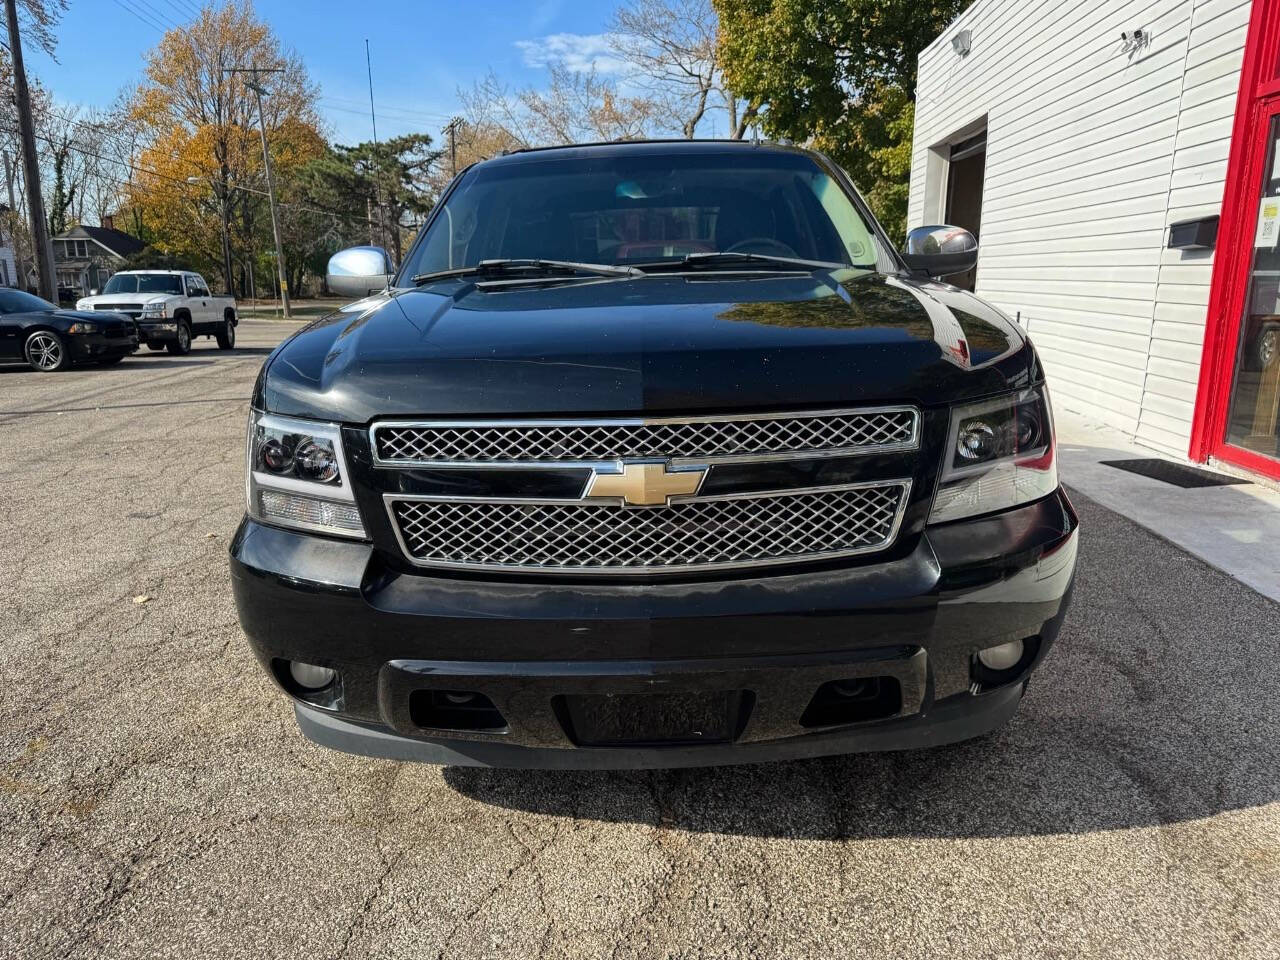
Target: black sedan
[(49, 338)]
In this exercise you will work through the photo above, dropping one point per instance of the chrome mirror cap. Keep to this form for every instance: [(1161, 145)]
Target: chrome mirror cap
[(359, 271), (940, 251)]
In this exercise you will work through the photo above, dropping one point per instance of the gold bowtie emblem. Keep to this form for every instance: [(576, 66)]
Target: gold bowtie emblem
[(645, 484)]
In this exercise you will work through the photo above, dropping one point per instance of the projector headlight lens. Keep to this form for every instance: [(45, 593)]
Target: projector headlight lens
[(297, 476), (1000, 454)]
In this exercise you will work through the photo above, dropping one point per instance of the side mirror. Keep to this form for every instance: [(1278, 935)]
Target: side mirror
[(93, 291), (359, 271), (941, 251)]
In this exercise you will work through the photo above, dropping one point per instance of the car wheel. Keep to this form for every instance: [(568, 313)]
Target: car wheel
[(227, 335), (110, 361), (1268, 347), (46, 352), (181, 344)]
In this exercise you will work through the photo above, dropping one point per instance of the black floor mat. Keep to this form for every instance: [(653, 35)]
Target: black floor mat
[(1179, 474)]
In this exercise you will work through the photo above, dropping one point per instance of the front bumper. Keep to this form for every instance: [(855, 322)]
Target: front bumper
[(98, 346), (762, 647), (158, 331)]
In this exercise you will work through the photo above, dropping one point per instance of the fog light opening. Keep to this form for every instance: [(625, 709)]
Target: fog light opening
[(1001, 657), (311, 677), (1001, 664)]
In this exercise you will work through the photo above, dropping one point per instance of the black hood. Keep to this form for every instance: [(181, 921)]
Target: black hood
[(654, 345)]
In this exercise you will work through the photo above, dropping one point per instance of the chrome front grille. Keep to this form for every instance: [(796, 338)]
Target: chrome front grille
[(690, 533), (704, 440)]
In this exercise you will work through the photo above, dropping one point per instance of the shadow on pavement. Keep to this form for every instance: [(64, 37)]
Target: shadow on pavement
[(1156, 706)]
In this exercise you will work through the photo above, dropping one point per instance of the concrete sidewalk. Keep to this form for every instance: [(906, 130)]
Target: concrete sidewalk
[(1234, 528)]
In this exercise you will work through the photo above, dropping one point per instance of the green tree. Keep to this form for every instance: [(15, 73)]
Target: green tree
[(838, 73), (64, 194), (378, 192)]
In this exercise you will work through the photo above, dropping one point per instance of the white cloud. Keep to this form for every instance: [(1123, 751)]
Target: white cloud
[(579, 52)]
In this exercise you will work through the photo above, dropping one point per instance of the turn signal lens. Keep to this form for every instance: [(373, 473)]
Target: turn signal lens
[(83, 327)]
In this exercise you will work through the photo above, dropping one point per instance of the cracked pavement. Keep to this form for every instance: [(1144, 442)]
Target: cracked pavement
[(157, 800)]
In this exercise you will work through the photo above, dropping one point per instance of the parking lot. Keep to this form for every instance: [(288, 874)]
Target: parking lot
[(156, 799)]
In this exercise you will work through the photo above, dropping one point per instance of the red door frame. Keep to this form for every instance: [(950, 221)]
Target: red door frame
[(1258, 100)]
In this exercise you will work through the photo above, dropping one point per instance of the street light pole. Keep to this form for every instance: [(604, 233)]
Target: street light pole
[(30, 162), (281, 269)]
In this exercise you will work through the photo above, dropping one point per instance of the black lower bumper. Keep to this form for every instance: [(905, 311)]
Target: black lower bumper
[(726, 671), (97, 346), (948, 722), (160, 331)]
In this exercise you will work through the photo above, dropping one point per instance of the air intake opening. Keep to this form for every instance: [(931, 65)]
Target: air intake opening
[(853, 701), (455, 710)]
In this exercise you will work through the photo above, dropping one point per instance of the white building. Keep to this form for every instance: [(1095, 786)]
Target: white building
[(1070, 135)]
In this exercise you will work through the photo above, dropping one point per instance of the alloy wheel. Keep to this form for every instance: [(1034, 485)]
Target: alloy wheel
[(1268, 348), (44, 351)]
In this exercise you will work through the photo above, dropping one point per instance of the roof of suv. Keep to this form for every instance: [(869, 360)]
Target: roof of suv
[(632, 147)]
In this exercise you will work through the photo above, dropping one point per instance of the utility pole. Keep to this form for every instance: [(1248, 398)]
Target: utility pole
[(30, 163), (256, 87), (451, 128)]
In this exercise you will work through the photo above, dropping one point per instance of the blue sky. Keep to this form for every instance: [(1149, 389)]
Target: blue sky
[(422, 51)]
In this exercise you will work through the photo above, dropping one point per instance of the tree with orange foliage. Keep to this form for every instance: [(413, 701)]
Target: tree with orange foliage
[(200, 170)]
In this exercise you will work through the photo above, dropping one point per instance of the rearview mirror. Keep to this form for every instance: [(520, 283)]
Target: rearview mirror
[(940, 251), (359, 271), (93, 291)]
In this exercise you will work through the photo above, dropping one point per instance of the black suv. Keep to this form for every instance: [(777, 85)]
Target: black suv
[(653, 454)]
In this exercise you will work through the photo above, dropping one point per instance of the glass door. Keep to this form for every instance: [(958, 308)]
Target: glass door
[(1253, 422)]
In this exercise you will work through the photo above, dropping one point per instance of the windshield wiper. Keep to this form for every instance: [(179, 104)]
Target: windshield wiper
[(717, 257), (509, 267)]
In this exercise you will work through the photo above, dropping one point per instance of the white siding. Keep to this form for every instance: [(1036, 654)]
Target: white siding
[(1091, 153)]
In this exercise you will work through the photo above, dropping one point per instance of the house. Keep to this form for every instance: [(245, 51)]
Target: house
[(1121, 165), (84, 257)]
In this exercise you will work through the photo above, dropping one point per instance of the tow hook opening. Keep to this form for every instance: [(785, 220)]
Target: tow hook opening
[(856, 700), (455, 710)]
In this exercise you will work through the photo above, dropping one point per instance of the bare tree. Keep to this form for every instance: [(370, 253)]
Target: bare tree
[(672, 47), (576, 107)]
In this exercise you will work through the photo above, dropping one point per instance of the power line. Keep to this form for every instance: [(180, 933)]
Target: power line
[(162, 17), (150, 23), (186, 183)]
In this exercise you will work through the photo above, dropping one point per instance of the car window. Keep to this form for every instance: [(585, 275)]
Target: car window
[(633, 209), (159, 283), (19, 301), (122, 283)]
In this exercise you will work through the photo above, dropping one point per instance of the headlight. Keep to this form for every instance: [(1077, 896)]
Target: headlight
[(154, 309), (297, 476), (1000, 453), (82, 327)]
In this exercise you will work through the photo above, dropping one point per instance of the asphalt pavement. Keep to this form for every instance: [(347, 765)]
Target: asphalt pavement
[(156, 799)]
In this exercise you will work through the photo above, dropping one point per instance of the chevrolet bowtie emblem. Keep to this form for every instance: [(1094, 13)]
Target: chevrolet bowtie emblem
[(646, 484)]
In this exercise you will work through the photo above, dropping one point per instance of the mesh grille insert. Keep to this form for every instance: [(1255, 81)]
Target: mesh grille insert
[(692, 534), (596, 442)]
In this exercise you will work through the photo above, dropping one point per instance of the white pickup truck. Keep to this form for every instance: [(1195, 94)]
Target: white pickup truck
[(169, 307)]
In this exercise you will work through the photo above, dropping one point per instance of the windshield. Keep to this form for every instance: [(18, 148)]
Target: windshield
[(633, 210), (144, 283)]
